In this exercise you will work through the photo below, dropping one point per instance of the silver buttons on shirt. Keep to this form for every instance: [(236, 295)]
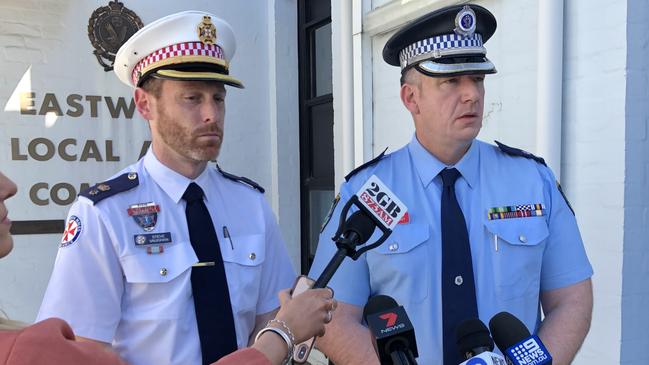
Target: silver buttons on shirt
[(252, 256), (393, 247), (522, 238), (163, 271), (459, 280)]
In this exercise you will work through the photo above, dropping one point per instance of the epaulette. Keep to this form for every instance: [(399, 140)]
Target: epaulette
[(521, 153), (368, 163), (106, 189), (241, 179), (518, 152), (565, 198)]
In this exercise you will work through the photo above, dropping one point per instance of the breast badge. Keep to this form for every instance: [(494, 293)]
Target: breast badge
[(145, 215)]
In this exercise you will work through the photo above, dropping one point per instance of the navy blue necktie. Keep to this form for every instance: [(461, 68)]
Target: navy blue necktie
[(458, 286), (209, 283)]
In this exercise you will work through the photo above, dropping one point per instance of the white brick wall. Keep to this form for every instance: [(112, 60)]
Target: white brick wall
[(593, 157)]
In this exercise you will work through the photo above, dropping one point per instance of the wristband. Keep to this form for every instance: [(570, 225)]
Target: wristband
[(284, 336)]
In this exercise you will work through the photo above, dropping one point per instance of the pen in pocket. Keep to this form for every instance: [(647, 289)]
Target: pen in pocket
[(226, 234)]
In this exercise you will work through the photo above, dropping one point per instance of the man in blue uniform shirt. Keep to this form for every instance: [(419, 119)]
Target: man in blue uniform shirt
[(487, 230), (173, 261)]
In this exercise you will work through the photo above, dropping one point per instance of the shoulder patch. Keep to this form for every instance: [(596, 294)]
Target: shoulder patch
[(109, 188), (368, 163), (241, 179), (518, 152)]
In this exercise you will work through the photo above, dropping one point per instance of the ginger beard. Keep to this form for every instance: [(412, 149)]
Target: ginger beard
[(202, 143)]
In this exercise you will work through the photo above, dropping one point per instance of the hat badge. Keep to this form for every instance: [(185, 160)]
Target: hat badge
[(465, 21), (207, 30)]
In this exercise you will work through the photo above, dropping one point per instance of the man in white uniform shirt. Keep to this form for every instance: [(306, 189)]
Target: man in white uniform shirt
[(139, 267)]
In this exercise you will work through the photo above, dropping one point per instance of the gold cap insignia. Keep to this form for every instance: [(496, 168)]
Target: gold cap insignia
[(207, 30)]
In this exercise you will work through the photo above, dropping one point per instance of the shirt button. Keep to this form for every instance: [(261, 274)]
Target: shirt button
[(163, 271), (252, 256), (522, 238), (132, 176), (459, 280), (393, 247)]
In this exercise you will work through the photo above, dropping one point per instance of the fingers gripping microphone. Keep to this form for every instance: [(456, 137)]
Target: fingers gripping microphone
[(377, 207), (392, 330), (516, 342), (475, 344)]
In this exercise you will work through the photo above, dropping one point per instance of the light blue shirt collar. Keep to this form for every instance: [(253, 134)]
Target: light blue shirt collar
[(428, 166), (171, 182)]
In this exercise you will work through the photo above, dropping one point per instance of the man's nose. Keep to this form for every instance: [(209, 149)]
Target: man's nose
[(470, 90), (211, 111)]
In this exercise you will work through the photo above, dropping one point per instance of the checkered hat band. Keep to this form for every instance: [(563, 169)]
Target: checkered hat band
[(180, 49), (441, 42)]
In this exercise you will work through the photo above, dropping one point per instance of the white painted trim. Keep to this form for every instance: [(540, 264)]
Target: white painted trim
[(343, 87), (358, 62), (550, 83), (398, 12), (284, 122)]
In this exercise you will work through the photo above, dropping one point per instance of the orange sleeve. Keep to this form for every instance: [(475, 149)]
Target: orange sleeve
[(52, 342), (248, 356)]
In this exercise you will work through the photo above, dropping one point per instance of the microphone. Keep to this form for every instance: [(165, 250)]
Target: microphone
[(392, 330), (516, 342), (378, 207), (475, 344)]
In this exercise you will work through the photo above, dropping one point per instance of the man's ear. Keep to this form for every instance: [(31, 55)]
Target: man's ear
[(144, 103), (409, 97)]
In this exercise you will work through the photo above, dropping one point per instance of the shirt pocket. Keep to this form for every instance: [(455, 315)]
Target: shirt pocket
[(158, 285), (517, 263), (401, 266), (243, 256)]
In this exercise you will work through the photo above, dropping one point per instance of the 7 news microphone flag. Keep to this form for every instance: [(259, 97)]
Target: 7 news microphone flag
[(392, 330)]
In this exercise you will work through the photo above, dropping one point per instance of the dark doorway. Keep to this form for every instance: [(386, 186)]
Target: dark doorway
[(316, 122)]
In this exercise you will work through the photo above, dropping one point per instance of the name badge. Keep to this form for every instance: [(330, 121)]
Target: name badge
[(152, 239)]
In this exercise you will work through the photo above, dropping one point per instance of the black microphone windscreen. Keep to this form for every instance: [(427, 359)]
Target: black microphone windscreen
[(507, 330), (361, 224), (379, 303), (472, 334)]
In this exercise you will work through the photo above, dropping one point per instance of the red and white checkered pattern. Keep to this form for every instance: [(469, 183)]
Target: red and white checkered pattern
[(176, 50)]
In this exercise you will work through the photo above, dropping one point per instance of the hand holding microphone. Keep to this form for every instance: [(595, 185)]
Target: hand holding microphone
[(307, 313), (299, 318)]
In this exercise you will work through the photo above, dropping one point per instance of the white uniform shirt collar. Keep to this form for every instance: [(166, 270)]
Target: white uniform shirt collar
[(171, 182), (428, 166)]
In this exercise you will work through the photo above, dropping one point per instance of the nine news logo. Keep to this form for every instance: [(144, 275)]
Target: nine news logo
[(529, 352)]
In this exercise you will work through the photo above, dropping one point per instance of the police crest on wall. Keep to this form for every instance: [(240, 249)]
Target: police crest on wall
[(108, 28)]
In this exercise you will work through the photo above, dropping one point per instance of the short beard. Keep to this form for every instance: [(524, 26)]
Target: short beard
[(180, 139)]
